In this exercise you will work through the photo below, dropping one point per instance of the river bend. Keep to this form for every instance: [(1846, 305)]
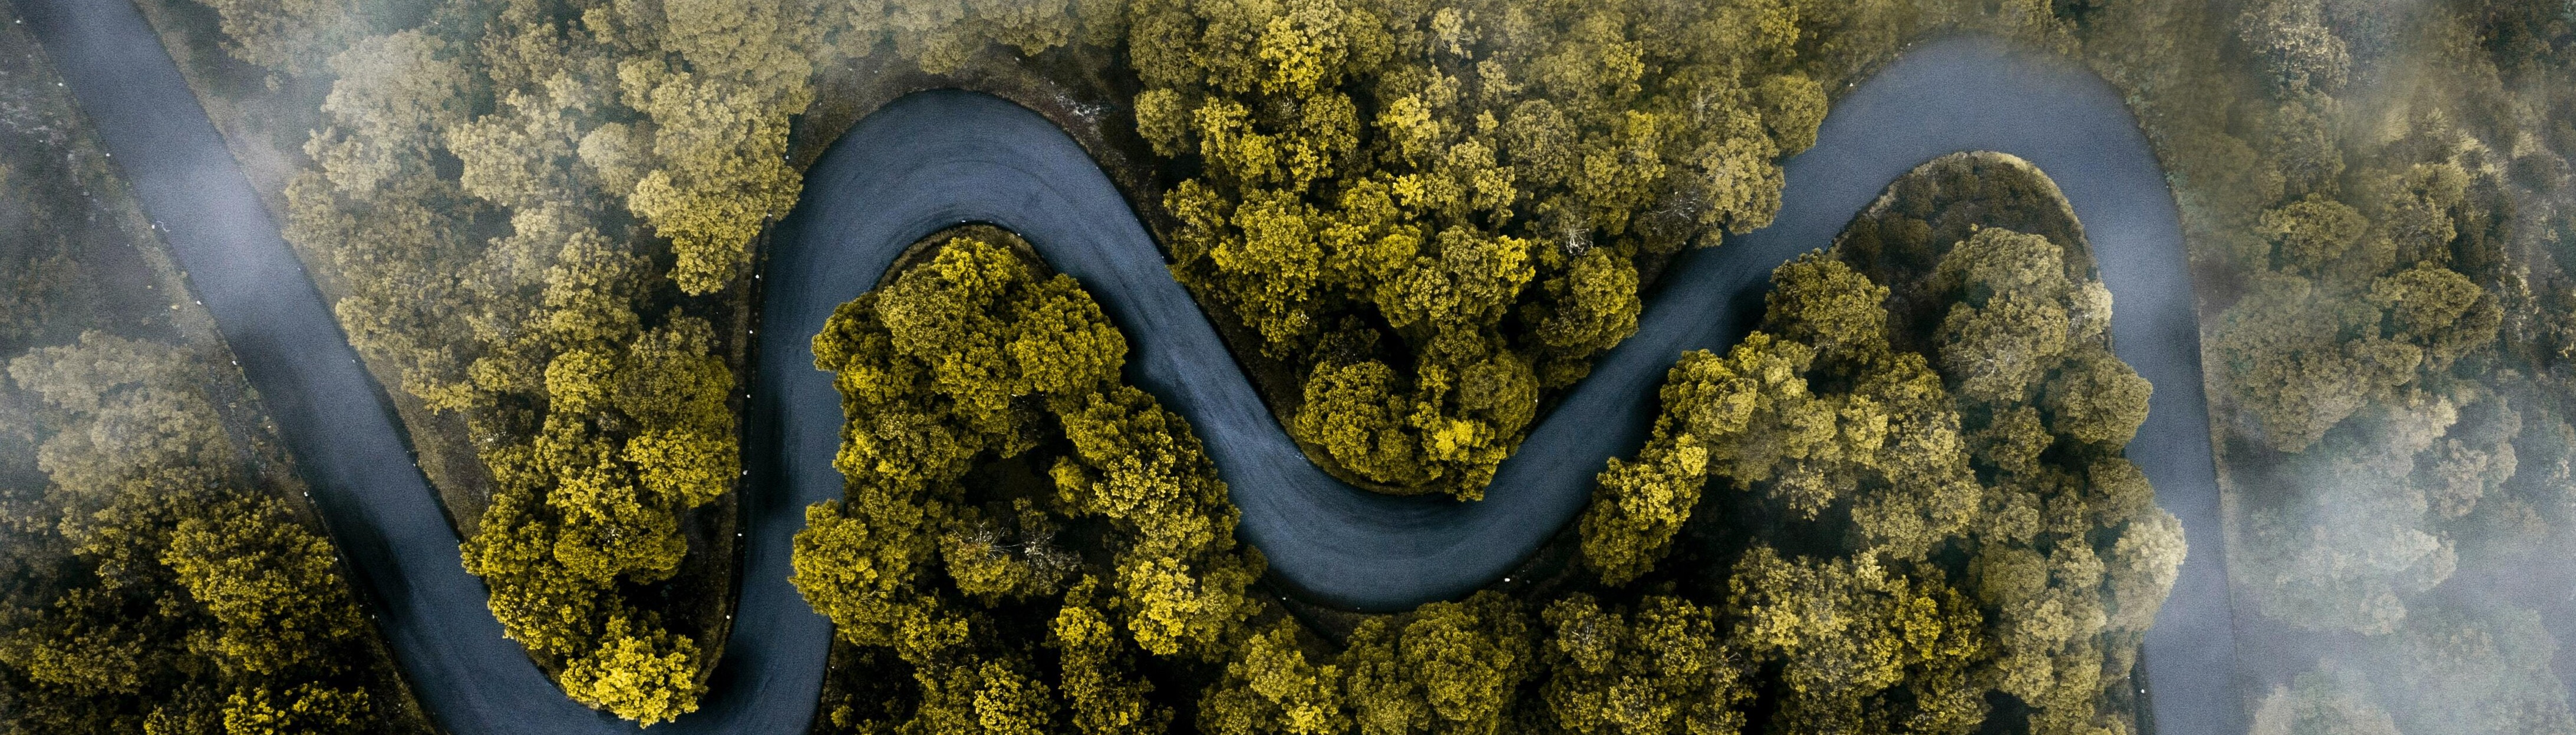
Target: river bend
[(935, 159)]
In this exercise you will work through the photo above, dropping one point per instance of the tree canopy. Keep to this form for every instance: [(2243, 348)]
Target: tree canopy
[(1427, 215), (185, 596), (1905, 537), (1009, 494), (1893, 538)]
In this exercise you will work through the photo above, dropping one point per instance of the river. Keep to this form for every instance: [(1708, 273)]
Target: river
[(936, 159)]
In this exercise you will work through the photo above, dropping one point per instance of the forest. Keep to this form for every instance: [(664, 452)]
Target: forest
[(1426, 274), (1899, 533), (158, 572), (539, 215), (1417, 222)]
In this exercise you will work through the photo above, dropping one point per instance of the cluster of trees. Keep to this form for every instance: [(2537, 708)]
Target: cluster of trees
[(1417, 220), (1905, 532), (155, 584), (1909, 530), (2458, 670), (1021, 527), (1427, 214), (532, 209), (2366, 345), (1425, 218), (2366, 348), (2353, 308), (69, 249), (2385, 407), (528, 206)]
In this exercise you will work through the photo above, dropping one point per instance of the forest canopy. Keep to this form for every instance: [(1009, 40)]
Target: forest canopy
[(1008, 493), (1431, 213), (1419, 221), (2386, 190), (1888, 538), (1912, 491), (1425, 219)]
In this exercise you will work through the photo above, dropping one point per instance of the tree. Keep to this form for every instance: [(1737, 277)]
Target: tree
[(2318, 235), (2437, 310), (2284, 347), (2350, 550), (1466, 660), (270, 586), (648, 679), (1662, 669), (1105, 698), (2460, 670), (1272, 687), (718, 95), (2322, 702), (308, 708), (1860, 647), (288, 35), (2298, 50), (943, 35)]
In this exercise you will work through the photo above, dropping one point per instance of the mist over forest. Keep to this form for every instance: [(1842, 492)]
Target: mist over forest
[(1901, 503)]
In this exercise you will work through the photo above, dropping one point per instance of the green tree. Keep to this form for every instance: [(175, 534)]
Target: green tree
[(2297, 49), (1856, 642), (1272, 686), (1663, 669), (1106, 698), (724, 80), (647, 679), (2320, 236), (2302, 361)]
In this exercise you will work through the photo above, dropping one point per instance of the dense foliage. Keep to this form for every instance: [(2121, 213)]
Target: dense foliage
[(1419, 220), (163, 588), (1429, 212), (2365, 344), (1917, 528), (2380, 194), (1904, 540), (533, 209), (963, 379), (483, 183)]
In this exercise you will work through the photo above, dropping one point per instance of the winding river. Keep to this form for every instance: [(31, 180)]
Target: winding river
[(931, 160)]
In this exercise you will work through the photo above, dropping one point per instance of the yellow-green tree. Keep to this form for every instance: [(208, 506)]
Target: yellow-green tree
[(1662, 668), (1443, 667)]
